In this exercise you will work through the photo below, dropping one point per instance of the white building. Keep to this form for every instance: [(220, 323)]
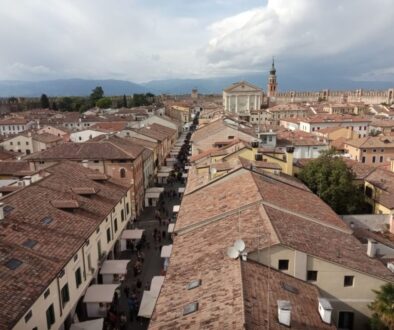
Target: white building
[(86, 135), (242, 97), (14, 125)]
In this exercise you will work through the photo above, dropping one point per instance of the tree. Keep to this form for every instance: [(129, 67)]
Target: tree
[(54, 105), (333, 181), (96, 94), (124, 101), (44, 101), (104, 103), (66, 104), (383, 308)]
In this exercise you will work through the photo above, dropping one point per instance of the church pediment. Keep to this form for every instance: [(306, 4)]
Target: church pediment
[(243, 86)]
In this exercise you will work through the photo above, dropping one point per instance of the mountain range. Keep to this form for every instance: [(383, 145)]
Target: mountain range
[(83, 87)]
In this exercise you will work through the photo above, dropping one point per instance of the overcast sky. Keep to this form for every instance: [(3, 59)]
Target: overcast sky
[(142, 40)]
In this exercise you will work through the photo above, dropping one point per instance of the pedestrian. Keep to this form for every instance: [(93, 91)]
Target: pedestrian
[(147, 285), (139, 284), (131, 306), (126, 291), (123, 321), (163, 234)]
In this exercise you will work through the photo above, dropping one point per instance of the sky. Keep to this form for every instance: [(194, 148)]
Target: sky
[(143, 40)]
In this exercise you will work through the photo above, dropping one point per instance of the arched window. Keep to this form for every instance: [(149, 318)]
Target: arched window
[(122, 173)]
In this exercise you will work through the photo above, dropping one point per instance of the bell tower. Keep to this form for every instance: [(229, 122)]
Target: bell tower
[(272, 84)]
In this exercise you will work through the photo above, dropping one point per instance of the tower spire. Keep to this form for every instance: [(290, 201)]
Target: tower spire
[(273, 70)]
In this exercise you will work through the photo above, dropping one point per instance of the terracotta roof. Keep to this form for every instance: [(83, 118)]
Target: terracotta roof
[(14, 121), (102, 147), (326, 118), (46, 138), (372, 142), (65, 203), (110, 126), (59, 234), (384, 180), (261, 284), (14, 168)]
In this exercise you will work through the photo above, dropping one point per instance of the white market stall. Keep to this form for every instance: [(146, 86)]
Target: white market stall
[(88, 325), (166, 251), (162, 177), (175, 208), (114, 271), (171, 227), (129, 234), (170, 161), (149, 298), (152, 196), (98, 299), (184, 175)]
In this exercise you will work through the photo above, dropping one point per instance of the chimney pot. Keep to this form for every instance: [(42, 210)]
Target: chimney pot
[(27, 180), (371, 249), (1, 211), (325, 310), (284, 312)]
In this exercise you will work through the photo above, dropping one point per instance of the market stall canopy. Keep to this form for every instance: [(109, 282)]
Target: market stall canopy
[(171, 227), (114, 267), (184, 175), (149, 298), (153, 192), (175, 208), (165, 169), (132, 234), (98, 293), (181, 190), (163, 174), (88, 325), (166, 251), (156, 284)]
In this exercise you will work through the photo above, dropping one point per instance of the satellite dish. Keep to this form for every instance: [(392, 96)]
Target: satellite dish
[(232, 252), (239, 245)]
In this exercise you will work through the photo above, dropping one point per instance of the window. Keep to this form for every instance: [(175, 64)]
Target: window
[(50, 316), (13, 264), (363, 159), (312, 275), (116, 225), (11, 143), (348, 280), (47, 293), (381, 150), (97, 230), (76, 257), (193, 284), (230, 137), (78, 277), (19, 143), (373, 159), (345, 320), (108, 235), (29, 243), (190, 308), (122, 173), (28, 316), (368, 192), (381, 159), (99, 248), (373, 150), (122, 215), (65, 294), (127, 209), (283, 264)]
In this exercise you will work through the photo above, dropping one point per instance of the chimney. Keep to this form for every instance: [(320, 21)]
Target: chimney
[(85, 163), (27, 180), (371, 249), (1, 211), (325, 310), (391, 223), (255, 146), (289, 160), (284, 312)]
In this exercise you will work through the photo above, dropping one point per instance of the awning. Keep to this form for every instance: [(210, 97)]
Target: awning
[(156, 284), (149, 298), (181, 190), (147, 305), (184, 175), (153, 192), (88, 325), (132, 234), (187, 167), (163, 174), (171, 227), (114, 267), (98, 293), (171, 159), (166, 169), (166, 251), (175, 208)]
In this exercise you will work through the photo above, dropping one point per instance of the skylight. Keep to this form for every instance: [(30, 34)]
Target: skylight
[(47, 220), (289, 288), (29, 243), (13, 264), (190, 308), (193, 284)]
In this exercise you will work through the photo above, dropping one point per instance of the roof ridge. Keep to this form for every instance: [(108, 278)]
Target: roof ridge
[(305, 217)]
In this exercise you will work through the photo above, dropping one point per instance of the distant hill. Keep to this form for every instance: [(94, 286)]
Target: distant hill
[(83, 87), (67, 87)]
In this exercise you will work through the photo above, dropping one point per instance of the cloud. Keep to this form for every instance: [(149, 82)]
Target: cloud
[(303, 31)]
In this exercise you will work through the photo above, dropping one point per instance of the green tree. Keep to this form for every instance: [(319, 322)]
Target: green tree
[(96, 94), (333, 181), (124, 104), (104, 103), (66, 104), (383, 308), (44, 101), (54, 105)]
